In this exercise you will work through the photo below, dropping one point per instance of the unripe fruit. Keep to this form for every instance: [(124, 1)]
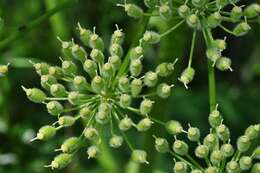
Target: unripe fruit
[(202, 151), (227, 150), (132, 10), (187, 76), (102, 117), (84, 35), (96, 42), (232, 167), (243, 143), (70, 145), (90, 67), (139, 156), (245, 163), (252, 10), (107, 70), (125, 100), (57, 72), (41, 68), (97, 56), (66, 49), (251, 132), (58, 90), (66, 121), (115, 61), (210, 141), (74, 97), (211, 169), (213, 55), (241, 29), (144, 124), (92, 151), (223, 132), (116, 49), (91, 134), (146, 106), (80, 82), (236, 13), (151, 37), (69, 67), (165, 11), (79, 53), (136, 52), (174, 127), (216, 157), (183, 10), (255, 168), (60, 161), (45, 133), (193, 20), (214, 20), (136, 67), (116, 141), (123, 84), (97, 84), (118, 36), (150, 79), (35, 95), (104, 106), (165, 69), (193, 134), (125, 124), (161, 145), (164, 90), (220, 44), (54, 108), (47, 81), (136, 87), (215, 118), (224, 63), (180, 167), (180, 147)]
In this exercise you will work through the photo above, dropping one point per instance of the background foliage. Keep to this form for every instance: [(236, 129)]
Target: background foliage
[(238, 92)]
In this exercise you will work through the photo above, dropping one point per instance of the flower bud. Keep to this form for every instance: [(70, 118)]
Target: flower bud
[(104, 106), (210, 141), (74, 97), (215, 118), (227, 150), (150, 79), (214, 20), (202, 151), (41, 68), (243, 143), (251, 132), (107, 70), (150, 3), (245, 163), (35, 95), (161, 145), (3, 70), (211, 169), (125, 124), (90, 67), (180, 167), (123, 83), (151, 37), (183, 10), (232, 167), (66, 121), (136, 52), (165, 11), (236, 13), (174, 127), (115, 61), (216, 157), (136, 67), (56, 71), (241, 29), (47, 81), (220, 44), (96, 42), (79, 53), (60, 161), (80, 82), (70, 145), (187, 76), (136, 87), (69, 67), (45, 133), (165, 69), (102, 117), (224, 63), (125, 100), (255, 168), (180, 147), (97, 84), (54, 108), (223, 132), (144, 124), (199, 3), (193, 20), (116, 49), (66, 48), (193, 134), (139, 156), (92, 151), (117, 37), (97, 56), (116, 141), (58, 90), (213, 54), (84, 35), (91, 134), (163, 90), (146, 106), (252, 10)]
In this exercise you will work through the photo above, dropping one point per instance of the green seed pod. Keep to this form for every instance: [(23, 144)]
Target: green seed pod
[(79, 53), (243, 143), (165, 11), (227, 150), (214, 20), (136, 87), (84, 35), (104, 106), (123, 84), (161, 145), (3, 69), (97, 56), (58, 90), (96, 42), (146, 106), (136, 53), (151, 37), (91, 134), (252, 10), (92, 151), (56, 71), (132, 10), (90, 67), (236, 13), (211, 169), (183, 11), (202, 151), (97, 84), (255, 168), (60, 161), (47, 81), (150, 3), (144, 124), (180, 147), (193, 20), (136, 67), (210, 141), (116, 49), (125, 124), (102, 117), (216, 157), (79, 82), (69, 67), (54, 108), (125, 100), (215, 118), (193, 134), (232, 167), (220, 44), (74, 97), (165, 69), (70, 145), (180, 167), (118, 36), (115, 61), (66, 121), (150, 79), (41, 68), (116, 141), (245, 163), (199, 3), (34, 94), (107, 70), (196, 171), (251, 132), (213, 55), (256, 153), (85, 112), (45, 133), (139, 156), (222, 3), (174, 127), (187, 76), (224, 63), (223, 132), (66, 48), (164, 90), (241, 29)]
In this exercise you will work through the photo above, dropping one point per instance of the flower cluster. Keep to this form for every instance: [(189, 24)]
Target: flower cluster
[(215, 149), (201, 15), (100, 93)]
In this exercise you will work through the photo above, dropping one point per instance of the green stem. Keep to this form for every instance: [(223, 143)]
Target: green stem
[(194, 162), (171, 29), (192, 47), (28, 27)]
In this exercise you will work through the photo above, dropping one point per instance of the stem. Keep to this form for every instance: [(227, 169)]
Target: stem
[(194, 162), (171, 29), (227, 30), (28, 27), (192, 47)]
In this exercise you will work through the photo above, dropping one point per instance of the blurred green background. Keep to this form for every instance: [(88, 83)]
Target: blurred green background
[(238, 93)]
